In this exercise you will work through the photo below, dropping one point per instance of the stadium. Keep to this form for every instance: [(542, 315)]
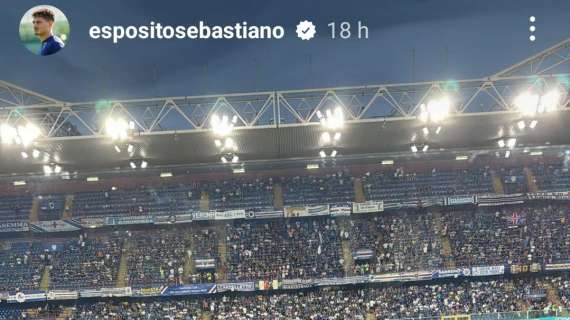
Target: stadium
[(444, 199)]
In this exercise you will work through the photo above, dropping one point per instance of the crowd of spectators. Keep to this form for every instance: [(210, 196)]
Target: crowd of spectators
[(88, 261), (399, 184), (513, 297), (522, 234), (157, 257), (335, 187), (277, 249), (405, 241)]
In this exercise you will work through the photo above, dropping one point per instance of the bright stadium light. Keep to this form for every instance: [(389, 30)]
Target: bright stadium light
[(312, 166), (326, 137), (527, 103), (224, 160), (35, 153), (414, 148), (133, 165), (438, 130), (19, 183), (521, 124), (550, 101), (130, 148), (222, 126), (57, 169), (332, 119), (425, 148), (507, 153), (425, 130), (322, 154), (28, 133), (530, 104), (118, 128), (218, 143), (238, 170), (235, 159), (333, 153), (511, 143), (387, 162), (24, 155), (8, 134), (501, 143), (166, 174), (144, 164), (461, 158), (533, 124), (117, 149), (337, 136), (47, 170), (436, 110)]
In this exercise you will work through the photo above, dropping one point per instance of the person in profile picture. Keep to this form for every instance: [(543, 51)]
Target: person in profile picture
[(43, 21)]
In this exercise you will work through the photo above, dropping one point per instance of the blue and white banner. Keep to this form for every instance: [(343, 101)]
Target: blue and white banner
[(459, 200), (147, 292), (307, 211), (500, 199), (205, 264), (267, 214), (451, 273), (14, 226), (62, 295), (363, 254), (189, 289), (54, 226), (293, 284), (118, 220), (557, 266), (230, 214), (106, 292), (564, 195), (204, 215), (28, 296), (368, 207), (487, 271), (236, 286), (340, 210), (341, 281)]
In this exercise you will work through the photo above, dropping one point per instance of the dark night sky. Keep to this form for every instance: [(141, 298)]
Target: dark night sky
[(481, 37)]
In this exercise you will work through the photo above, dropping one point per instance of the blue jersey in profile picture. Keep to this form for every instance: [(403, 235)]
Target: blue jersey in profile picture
[(51, 45)]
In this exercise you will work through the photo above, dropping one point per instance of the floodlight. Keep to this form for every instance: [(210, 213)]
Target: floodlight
[(117, 149), (414, 148), (511, 143), (533, 124), (133, 165), (550, 101), (222, 126), (28, 133), (117, 128), (24, 155), (436, 110), (35, 153), (322, 154), (144, 164), (333, 153), (426, 147)]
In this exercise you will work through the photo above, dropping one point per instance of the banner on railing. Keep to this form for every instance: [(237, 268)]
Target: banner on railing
[(340, 210), (293, 284), (147, 292), (91, 222), (229, 214), (106, 292), (368, 207), (307, 211), (431, 202), (451, 273), (28, 296), (118, 220), (236, 286), (205, 264), (266, 214), (189, 289), (557, 266), (341, 281), (14, 226), (500, 199), (363, 254), (62, 295), (563, 195), (54, 226), (199, 215), (487, 271), (523, 268), (459, 200)]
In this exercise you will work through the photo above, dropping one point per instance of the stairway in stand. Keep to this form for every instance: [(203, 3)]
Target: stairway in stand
[(446, 251), (123, 266), (222, 267), (346, 244)]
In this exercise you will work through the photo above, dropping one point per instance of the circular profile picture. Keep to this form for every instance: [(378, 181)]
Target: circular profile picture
[(44, 30)]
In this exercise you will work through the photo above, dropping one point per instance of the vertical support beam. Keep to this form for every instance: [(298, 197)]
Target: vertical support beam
[(34, 211), (204, 202)]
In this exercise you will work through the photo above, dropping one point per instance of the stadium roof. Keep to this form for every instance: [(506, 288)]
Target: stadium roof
[(275, 125)]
